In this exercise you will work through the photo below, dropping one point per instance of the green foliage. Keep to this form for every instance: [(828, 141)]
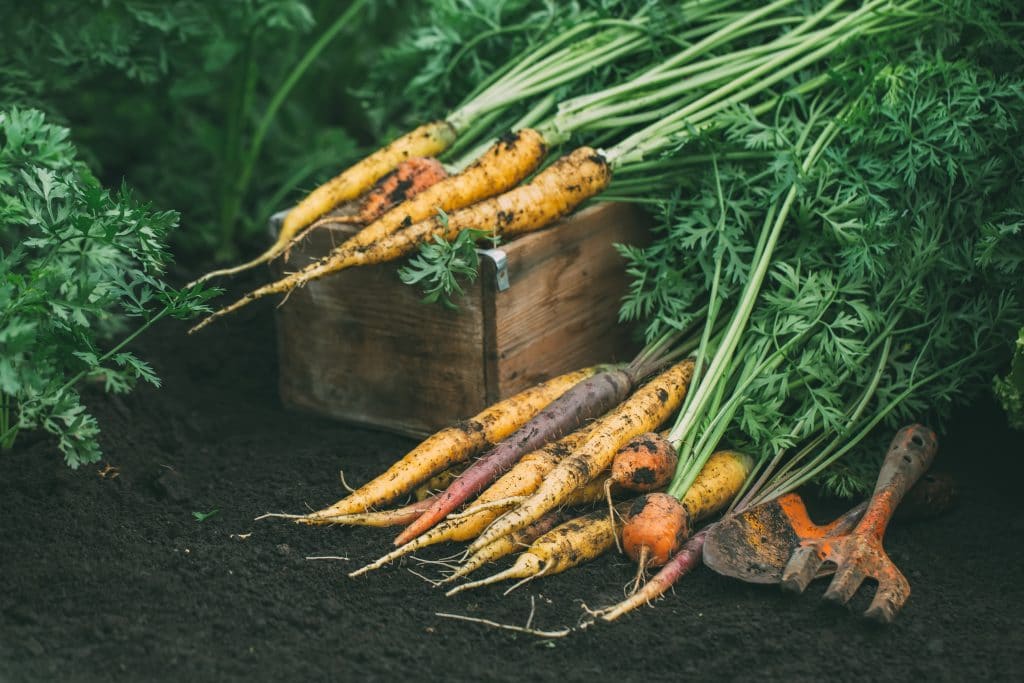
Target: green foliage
[(1010, 389), (203, 516), (172, 95), (75, 261), (897, 278), (441, 264)]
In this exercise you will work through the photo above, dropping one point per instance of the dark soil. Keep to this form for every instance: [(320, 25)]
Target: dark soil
[(114, 579)]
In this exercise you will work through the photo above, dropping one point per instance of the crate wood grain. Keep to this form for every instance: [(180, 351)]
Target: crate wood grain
[(361, 347)]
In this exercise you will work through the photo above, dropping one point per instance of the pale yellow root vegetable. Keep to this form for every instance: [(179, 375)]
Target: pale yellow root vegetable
[(428, 140), (523, 478), (642, 412), (451, 446), (520, 540), (573, 543), (553, 193)]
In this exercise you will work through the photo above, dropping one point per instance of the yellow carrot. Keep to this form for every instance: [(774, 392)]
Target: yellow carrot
[(642, 412), (426, 141), (523, 478), (573, 543), (453, 445), (553, 193)]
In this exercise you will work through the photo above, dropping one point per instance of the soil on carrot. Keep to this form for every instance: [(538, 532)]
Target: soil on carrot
[(109, 574)]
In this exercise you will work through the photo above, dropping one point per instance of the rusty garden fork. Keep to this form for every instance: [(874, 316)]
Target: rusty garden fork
[(859, 555)]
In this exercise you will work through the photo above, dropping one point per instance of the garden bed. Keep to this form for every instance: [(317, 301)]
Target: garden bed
[(113, 578)]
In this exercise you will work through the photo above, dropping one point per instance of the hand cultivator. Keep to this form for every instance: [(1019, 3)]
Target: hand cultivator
[(858, 554)]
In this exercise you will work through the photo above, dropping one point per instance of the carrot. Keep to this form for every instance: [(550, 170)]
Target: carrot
[(497, 170), (508, 544), (378, 518), (647, 408), (659, 523), (682, 563), (590, 398), (428, 140), (656, 526), (568, 545), (523, 478), (645, 464), (552, 193), (432, 487), (453, 445), (717, 484), (410, 179)]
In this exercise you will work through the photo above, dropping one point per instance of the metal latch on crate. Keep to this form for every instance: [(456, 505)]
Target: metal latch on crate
[(500, 261)]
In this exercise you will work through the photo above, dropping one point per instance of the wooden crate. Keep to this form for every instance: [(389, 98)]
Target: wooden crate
[(360, 346)]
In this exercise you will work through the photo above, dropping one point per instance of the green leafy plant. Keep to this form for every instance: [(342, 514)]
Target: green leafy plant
[(1010, 389), (441, 264), (220, 108), (76, 261), (203, 516)]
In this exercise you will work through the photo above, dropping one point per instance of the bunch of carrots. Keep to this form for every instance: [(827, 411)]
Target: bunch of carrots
[(574, 471), (734, 54), (576, 466)]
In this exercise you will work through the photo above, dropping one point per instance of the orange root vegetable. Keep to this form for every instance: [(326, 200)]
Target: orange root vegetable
[(428, 140), (407, 181), (410, 179), (642, 412), (522, 479), (645, 464), (553, 193), (658, 524), (453, 445), (508, 545), (577, 541), (681, 564)]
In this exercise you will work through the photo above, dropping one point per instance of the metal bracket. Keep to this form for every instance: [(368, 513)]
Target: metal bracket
[(500, 261)]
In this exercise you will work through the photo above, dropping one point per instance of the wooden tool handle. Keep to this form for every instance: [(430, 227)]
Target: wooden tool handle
[(910, 454)]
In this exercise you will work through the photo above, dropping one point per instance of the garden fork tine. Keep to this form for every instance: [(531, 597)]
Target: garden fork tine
[(859, 555)]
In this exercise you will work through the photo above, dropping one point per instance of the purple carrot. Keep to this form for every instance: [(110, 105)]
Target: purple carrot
[(681, 564), (589, 399)]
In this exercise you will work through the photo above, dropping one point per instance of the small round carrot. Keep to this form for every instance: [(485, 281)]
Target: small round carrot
[(655, 528)]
